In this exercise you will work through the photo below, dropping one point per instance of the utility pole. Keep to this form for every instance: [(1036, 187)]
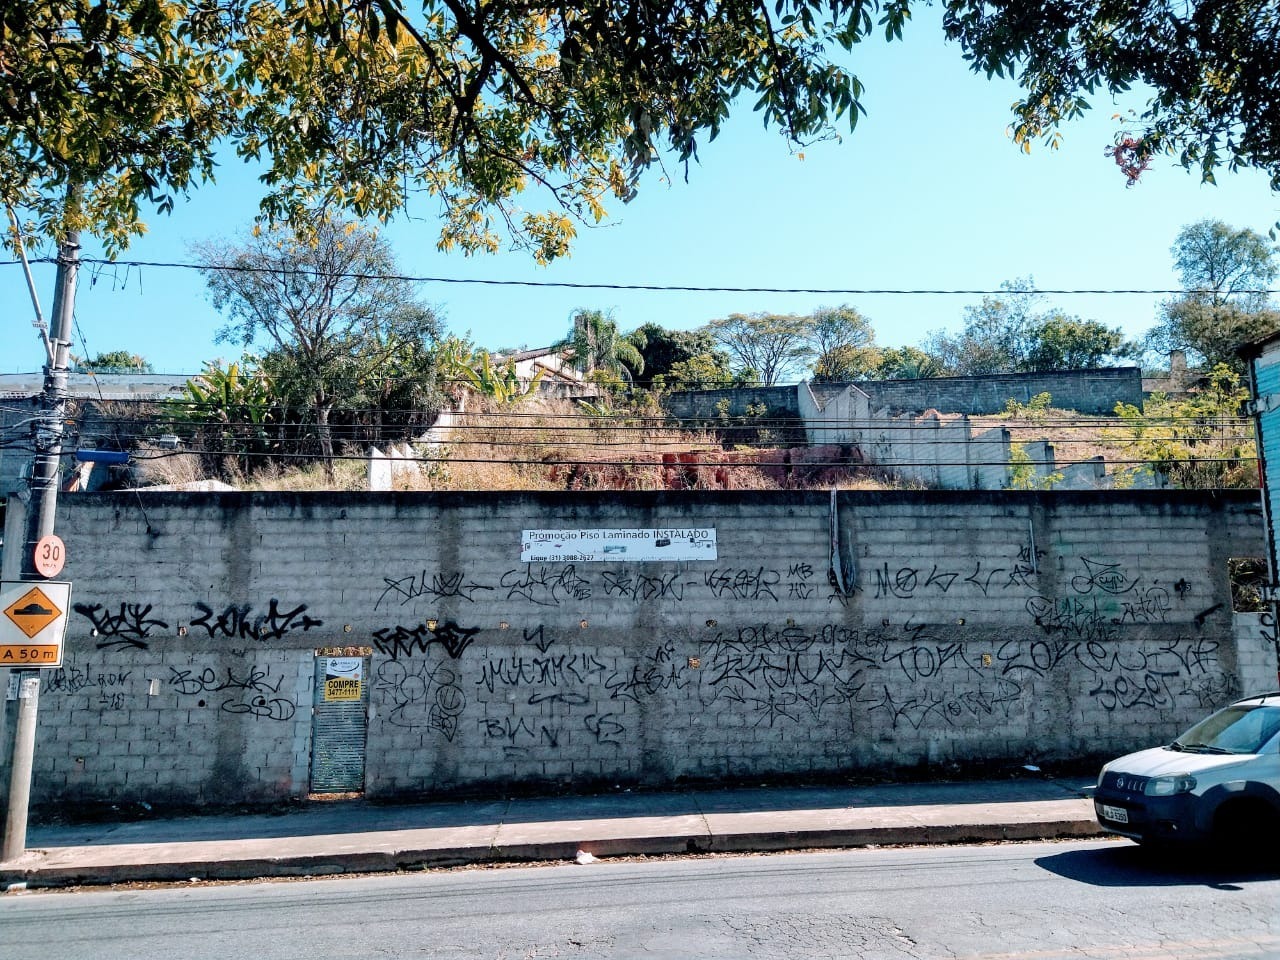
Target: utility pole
[(43, 483)]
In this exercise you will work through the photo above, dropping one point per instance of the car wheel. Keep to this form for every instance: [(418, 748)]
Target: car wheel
[(1245, 827)]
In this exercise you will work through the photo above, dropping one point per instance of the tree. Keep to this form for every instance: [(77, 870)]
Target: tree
[(595, 347), (991, 340), (114, 361), (1226, 273), (1014, 332), (465, 367), (907, 363), (1210, 335), (1201, 441), (845, 363), (225, 412), (406, 392), (1059, 342), (107, 106), (843, 344), (1209, 64), (704, 371), (1224, 265), (357, 105), (661, 349), (328, 305), (770, 344)]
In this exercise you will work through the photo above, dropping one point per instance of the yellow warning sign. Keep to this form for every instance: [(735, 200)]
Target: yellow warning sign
[(32, 612), (29, 655), (341, 688)]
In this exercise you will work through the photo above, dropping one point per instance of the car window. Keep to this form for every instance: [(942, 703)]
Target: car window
[(1236, 729)]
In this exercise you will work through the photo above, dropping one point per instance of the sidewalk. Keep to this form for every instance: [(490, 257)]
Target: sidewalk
[(354, 836)]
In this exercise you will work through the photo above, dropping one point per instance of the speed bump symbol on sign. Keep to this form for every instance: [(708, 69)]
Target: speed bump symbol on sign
[(32, 612)]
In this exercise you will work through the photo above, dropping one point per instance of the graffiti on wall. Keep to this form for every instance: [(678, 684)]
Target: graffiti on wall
[(540, 688), (403, 642), (239, 622), (776, 674), (421, 694), (1103, 597), (556, 585), (251, 691), (440, 586), (127, 626), (104, 688), (131, 625), (546, 586)]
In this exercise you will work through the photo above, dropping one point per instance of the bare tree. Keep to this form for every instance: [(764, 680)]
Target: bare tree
[(331, 306), (773, 345)]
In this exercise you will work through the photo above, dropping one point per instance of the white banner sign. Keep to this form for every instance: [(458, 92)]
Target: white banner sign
[(622, 546)]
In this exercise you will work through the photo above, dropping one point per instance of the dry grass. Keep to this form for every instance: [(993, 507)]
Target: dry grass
[(347, 475), (1075, 437), (156, 466), (555, 445), (558, 445)]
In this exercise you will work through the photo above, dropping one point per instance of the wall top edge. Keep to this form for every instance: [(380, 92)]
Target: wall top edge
[(673, 498)]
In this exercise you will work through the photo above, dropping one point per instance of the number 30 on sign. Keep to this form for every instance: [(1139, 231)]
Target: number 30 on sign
[(50, 555)]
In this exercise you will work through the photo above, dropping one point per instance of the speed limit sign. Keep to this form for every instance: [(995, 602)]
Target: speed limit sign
[(50, 555)]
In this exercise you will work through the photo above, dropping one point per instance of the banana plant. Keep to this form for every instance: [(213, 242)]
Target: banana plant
[(469, 368), (226, 411)]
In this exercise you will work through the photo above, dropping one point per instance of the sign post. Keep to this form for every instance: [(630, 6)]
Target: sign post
[(15, 825), (33, 623), (48, 431)]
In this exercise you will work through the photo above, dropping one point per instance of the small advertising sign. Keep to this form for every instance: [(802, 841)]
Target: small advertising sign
[(343, 677), (618, 545)]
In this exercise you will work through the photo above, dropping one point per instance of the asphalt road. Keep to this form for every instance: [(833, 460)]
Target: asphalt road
[(1095, 899)]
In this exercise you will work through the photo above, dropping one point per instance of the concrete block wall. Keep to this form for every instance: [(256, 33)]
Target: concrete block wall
[(1096, 390), (1087, 391), (946, 454), (1257, 651), (985, 625), (833, 416), (709, 404)]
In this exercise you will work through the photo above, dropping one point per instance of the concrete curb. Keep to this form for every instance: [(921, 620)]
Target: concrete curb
[(347, 862)]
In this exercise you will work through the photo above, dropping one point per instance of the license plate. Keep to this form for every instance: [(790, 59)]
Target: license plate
[(1115, 814)]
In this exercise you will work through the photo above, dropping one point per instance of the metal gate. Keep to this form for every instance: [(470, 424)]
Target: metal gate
[(338, 724)]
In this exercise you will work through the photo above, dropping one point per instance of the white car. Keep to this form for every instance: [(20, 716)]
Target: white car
[(1219, 781)]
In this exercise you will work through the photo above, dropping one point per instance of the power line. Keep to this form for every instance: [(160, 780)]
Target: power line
[(622, 418), (871, 432), (675, 465), (648, 287)]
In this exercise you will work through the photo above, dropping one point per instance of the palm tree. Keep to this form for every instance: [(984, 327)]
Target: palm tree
[(595, 347)]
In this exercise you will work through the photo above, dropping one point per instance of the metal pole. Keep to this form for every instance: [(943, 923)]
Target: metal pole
[(38, 321), (43, 484), (51, 426), (15, 526), (24, 749)]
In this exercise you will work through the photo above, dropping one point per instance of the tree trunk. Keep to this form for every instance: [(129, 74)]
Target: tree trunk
[(324, 434)]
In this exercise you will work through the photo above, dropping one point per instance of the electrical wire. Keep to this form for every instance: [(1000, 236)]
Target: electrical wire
[(660, 464), (625, 419), (652, 287)]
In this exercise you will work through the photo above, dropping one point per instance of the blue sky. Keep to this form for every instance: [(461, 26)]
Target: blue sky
[(927, 192)]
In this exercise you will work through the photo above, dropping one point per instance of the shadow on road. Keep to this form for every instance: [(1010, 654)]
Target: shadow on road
[(1133, 866)]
